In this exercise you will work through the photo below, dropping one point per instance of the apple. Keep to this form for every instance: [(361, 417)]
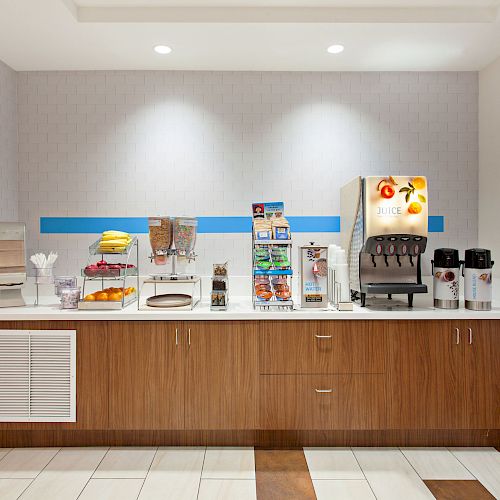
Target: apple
[(102, 263), (387, 192)]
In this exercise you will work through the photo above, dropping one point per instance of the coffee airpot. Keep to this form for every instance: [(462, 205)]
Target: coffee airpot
[(446, 278), (477, 279)]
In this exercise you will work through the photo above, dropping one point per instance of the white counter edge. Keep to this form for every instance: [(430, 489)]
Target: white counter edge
[(240, 308)]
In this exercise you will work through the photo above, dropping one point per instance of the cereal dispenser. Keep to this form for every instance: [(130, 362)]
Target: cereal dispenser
[(173, 240)]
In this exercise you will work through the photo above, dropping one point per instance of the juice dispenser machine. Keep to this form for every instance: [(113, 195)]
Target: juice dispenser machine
[(384, 232)]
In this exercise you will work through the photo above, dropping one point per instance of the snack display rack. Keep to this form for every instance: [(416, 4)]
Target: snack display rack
[(276, 275), (121, 275)]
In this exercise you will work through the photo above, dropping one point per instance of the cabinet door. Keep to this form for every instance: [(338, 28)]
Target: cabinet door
[(322, 402), (222, 375), (425, 375), (482, 373), (146, 375), (309, 347)]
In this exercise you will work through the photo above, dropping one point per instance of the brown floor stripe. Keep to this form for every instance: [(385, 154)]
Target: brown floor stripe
[(458, 490), (283, 475)]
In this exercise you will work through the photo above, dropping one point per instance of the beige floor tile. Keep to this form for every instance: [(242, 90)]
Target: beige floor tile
[(436, 463), (3, 452), (125, 463), (66, 475), (227, 489), (10, 489), (350, 489), (25, 463), (390, 475), (112, 489), (229, 463), (332, 463), (174, 475), (484, 463)]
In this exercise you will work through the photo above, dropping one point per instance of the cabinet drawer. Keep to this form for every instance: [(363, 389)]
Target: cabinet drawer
[(301, 347), (308, 402)]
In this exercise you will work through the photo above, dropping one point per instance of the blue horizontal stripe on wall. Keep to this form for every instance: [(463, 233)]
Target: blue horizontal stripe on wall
[(138, 225)]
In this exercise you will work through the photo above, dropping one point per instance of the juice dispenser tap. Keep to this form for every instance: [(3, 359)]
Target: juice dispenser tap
[(384, 231)]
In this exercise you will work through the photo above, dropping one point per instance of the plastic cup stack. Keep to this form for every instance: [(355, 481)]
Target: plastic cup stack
[(337, 261)]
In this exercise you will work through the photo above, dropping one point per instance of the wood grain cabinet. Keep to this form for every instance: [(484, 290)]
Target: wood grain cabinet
[(221, 375), (92, 364), (322, 375), (146, 377), (307, 347), (443, 375), (322, 402), (183, 375), (481, 345)]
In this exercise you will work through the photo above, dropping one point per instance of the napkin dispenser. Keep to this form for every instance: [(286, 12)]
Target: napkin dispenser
[(12, 263)]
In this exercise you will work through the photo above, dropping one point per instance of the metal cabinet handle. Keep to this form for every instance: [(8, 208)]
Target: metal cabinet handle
[(470, 335), (323, 336), (176, 336), (457, 341), (189, 337), (323, 391)]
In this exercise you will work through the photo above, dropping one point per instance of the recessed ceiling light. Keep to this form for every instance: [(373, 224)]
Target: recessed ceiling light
[(162, 49), (335, 49)]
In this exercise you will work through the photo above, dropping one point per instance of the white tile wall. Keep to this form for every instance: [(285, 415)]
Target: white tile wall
[(9, 202), (210, 143)]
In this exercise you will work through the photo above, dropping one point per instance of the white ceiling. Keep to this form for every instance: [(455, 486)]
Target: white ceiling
[(119, 34), (290, 3)]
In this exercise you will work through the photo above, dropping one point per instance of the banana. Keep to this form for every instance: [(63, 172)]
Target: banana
[(116, 233)]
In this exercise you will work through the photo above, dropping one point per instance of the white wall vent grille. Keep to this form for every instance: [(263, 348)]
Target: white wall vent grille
[(37, 376)]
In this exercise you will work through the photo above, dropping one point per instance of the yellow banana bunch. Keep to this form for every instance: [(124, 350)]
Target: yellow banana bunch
[(114, 241)]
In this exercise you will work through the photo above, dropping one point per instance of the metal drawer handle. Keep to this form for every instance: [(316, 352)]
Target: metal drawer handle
[(323, 336), (457, 330), (176, 336), (470, 336), (189, 337), (323, 391)]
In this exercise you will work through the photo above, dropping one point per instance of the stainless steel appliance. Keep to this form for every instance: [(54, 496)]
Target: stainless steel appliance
[(313, 276), (12, 263), (477, 279), (384, 232), (446, 278)]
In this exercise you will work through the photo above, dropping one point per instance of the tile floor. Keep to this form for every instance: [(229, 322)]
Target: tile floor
[(150, 473)]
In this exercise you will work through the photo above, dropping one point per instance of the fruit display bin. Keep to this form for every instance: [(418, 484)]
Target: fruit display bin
[(95, 250), (101, 272), (107, 304), (109, 273)]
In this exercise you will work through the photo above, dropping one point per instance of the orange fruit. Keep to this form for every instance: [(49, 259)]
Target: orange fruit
[(418, 182), (115, 296), (415, 207), (89, 298), (101, 296)]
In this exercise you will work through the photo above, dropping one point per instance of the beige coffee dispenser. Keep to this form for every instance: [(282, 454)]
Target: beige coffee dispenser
[(12, 263)]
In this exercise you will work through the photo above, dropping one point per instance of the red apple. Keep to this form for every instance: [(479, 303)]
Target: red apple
[(387, 191)]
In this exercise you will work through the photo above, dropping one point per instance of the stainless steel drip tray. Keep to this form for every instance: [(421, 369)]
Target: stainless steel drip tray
[(393, 288)]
